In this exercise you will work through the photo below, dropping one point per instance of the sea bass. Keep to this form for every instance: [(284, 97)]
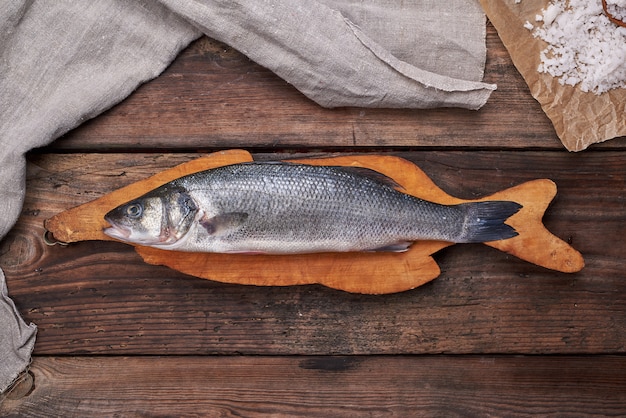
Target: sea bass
[(289, 208)]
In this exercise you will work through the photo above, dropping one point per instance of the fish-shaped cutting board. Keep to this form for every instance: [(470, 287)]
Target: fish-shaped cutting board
[(357, 272)]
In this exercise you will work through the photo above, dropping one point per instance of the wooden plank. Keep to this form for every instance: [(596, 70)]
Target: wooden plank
[(213, 96), (324, 386), (100, 297), (363, 272)]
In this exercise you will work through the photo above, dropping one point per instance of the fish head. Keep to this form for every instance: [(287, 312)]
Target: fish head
[(160, 218)]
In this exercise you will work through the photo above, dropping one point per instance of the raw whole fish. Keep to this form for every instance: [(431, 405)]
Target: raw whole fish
[(288, 208)]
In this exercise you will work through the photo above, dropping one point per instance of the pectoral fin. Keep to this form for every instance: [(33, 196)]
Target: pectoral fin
[(223, 223), (399, 247)]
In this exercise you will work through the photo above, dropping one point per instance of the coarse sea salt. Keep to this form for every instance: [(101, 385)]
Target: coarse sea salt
[(584, 47), (617, 8)]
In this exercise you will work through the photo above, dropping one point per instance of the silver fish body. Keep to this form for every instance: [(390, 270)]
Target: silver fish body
[(285, 208)]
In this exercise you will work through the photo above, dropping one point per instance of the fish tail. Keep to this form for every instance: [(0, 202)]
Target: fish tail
[(485, 221), (535, 243)]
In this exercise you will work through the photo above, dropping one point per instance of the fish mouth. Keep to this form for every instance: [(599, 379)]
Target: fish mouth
[(118, 232)]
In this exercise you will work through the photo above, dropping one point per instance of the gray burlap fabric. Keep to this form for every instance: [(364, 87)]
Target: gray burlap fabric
[(418, 50), (63, 62), (16, 338)]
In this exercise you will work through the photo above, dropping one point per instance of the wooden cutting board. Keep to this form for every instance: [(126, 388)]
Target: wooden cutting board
[(359, 272)]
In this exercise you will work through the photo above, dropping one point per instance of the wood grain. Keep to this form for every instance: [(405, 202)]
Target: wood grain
[(101, 298), (324, 387), (362, 272), (94, 301), (214, 97)]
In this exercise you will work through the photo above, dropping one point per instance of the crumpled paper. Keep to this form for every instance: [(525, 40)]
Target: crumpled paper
[(580, 119)]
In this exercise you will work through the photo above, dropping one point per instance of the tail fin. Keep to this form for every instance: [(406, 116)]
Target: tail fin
[(484, 221)]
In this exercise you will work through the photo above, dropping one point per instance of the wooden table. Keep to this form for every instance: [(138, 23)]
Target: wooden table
[(493, 335)]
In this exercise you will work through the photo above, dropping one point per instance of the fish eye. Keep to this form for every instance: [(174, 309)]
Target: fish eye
[(134, 210)]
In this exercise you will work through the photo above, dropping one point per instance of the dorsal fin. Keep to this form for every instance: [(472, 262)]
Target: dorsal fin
[(367, 173), (371, 175)]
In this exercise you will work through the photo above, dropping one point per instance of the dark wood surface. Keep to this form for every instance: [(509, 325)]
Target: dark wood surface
[(492, 336)]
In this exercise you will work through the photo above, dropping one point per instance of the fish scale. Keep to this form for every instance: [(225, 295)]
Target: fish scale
[(296, 208)]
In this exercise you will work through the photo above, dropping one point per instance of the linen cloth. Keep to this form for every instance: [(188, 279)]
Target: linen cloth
[(63, 62), (17, 338)]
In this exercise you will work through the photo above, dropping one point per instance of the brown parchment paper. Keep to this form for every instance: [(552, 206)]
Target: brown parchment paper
[(580, 119)]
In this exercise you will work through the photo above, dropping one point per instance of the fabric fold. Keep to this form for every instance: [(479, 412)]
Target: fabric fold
[(468, 94), (332, 61), (17, 339)]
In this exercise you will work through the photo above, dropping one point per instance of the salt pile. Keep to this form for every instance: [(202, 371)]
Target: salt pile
[(584, 47), (617, 9)]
